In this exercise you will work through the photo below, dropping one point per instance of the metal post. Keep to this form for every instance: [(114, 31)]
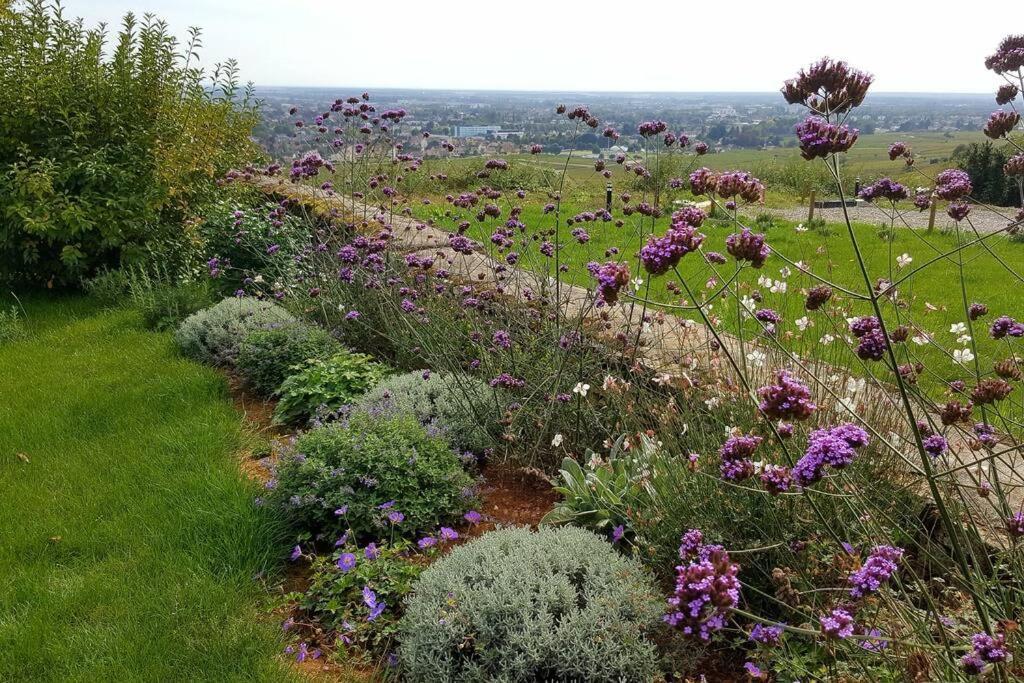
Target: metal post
[(608, 197), (810, 211), (931, 215)]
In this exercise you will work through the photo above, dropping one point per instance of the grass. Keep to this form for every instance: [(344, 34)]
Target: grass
[(131, 545)]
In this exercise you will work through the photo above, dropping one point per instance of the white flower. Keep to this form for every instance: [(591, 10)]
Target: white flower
[(800, 228), (785, 271), (904, 260), (662, 378), (827, 339), (595, 461), (855, 384), (712, 402), (801, 265), (963, 356), (779, 287), (756, 358), (748, 303), (803, 323), (581, 389), (921, 339), (764, 281), (958, 328), (636, 283), (557, 441), (848, 405), (963, 339), (258, 279)]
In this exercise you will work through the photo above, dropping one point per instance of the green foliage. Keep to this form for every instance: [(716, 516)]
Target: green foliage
[(326, 385), (984, 163), (460, 407), (335, 597), (213, 335), (364, 464), (599, 499), (104, 153), (555, 605), (267, 357)]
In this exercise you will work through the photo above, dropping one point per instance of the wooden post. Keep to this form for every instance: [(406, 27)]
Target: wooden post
[(931, 215), (810, 211)]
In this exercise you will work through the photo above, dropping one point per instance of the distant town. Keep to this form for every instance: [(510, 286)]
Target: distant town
[(491, 122)]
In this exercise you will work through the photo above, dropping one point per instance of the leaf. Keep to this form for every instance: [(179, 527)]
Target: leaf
[(24, 458)]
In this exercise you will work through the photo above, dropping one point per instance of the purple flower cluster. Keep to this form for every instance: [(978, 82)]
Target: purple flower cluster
[(1001, 123), (884, 188), (702, 181), (731, 184), (748, 246), (880, 566), (661, 254), (900, 149), (837, 624), (819, 138), (953, 184), (985, 649), (830, 447), (786, 399), (736, 453), (1007, 93), (651, 128), (1005, 326), (766, 635), (611, 278), (707, 587), (1015, 165), (872, 343), (1009, 57), (1015, 525), (828, 86)]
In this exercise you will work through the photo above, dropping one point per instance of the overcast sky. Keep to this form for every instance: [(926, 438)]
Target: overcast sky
[(740, 45)]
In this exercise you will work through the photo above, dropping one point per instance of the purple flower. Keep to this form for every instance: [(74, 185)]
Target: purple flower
[(448, 534), (953, 184), (426, 542), (776, 479), (371, 552), (396, 517), (611, 278), (473, 517), (296, 553), (707, 587), (881, 564), (837, 624), (347, 562), (747, 246), (828, 448), (370, 600), (935, 445), (1004, 326), (503, 339), (736, 452), (661, 254), (819, 138), (828, 86), (1015, 525), (787, 399), (766, 635), (986, 650), (617, 533), (884, 188)]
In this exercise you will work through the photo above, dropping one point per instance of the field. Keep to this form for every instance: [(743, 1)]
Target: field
[(132, 549)]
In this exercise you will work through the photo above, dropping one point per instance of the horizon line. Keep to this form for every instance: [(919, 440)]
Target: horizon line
[(587, 90)]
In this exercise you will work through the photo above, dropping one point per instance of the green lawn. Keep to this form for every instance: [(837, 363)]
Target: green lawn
[(130, 543)]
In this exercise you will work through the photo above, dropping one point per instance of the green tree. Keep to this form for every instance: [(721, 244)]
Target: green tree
[(104, 157)]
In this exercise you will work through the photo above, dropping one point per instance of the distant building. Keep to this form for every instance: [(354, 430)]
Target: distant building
[(476, 131)]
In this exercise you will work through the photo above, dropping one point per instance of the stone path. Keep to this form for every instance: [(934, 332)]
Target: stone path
[(984, 220)]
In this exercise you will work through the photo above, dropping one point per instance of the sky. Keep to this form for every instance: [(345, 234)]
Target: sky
[(650, 45)]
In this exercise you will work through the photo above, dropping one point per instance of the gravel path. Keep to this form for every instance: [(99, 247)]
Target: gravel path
[(984, 220)]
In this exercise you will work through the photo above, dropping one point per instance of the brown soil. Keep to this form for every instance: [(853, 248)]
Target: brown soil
[(512, 496)]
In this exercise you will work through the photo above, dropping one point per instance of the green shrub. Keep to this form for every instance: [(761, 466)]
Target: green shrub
[(458, 407), (337, 601), (556, 605), (267, 357), (364, 464), (213, 335), (106, 149), (326, 385)]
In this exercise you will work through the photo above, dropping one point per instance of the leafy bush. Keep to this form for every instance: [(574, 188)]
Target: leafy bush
[(370, 469), (214, 334), (105, 151), (514, 605), (326, 385), (267, 357), (337, 598), (458, 407)]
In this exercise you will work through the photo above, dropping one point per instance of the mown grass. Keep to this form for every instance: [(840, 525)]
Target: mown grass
[(131, 547)]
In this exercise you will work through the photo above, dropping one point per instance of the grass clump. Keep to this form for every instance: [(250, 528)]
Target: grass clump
[(360, 474), (267, 357), (515, 605)]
